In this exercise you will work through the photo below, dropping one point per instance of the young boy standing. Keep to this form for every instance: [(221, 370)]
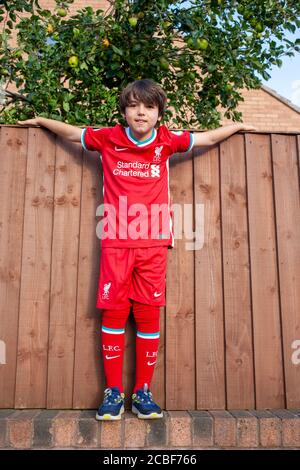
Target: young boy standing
[(136, 232)]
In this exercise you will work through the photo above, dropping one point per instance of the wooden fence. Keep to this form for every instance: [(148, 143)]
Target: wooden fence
[(230, 334)]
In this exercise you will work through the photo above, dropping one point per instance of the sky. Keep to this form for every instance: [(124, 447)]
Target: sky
[(286, 80)]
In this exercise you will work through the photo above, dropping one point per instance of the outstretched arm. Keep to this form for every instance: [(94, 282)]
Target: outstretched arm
[(203, 139), (67, 131)]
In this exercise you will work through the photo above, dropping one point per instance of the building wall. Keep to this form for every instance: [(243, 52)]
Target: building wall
[(77, 5), (267, 112)]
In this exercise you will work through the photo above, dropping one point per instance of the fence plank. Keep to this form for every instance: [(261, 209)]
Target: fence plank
[(264, 275), (180, 334), (88, 370), (208, 287), (64, 274), (237, 295), (158, 382), (13, 151), (31, 379), (286, 182)]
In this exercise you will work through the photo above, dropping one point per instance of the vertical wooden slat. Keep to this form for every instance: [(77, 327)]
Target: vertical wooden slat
[(13, 151), (286, 183), (210, 368), (31, 382), (264, 275), (237, 296), (180, 334), (158, 381), (88, 370), (64, 274)]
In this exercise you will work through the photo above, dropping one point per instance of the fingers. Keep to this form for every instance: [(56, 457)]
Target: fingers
[(27, 122)]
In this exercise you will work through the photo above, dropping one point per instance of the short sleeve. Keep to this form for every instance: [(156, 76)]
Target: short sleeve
[(93, 139), (181, 141)]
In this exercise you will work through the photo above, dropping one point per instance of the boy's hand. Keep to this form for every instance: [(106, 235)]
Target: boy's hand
[(248, 127), (29, 122)]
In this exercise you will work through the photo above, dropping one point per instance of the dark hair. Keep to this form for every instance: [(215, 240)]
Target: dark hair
[(146, 91)]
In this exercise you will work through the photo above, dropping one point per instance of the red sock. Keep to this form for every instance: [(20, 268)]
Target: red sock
[(113, 330), (147, 340)]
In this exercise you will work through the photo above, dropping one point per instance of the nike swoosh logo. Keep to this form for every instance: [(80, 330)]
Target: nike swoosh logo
[(151, 363), (111, 357), (157, 294), (120, 149)]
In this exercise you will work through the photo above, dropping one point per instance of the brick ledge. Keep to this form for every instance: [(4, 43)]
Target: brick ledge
[(235, 429)]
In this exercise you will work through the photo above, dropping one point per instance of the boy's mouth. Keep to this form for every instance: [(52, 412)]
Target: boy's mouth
[(140, 120)]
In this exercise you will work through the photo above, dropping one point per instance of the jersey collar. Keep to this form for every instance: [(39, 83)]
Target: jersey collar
[(140, 143)]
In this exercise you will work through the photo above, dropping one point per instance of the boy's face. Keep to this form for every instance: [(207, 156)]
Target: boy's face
[(141, 118)]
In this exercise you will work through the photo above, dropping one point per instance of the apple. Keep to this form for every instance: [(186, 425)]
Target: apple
[(105, 42), (164, 64), (50, 28), (202, 44), (18, 53), (73, 61), (259, 27), (190, 76), (167, 24), (61, 12), (133, 21), (247, 14), (4, 72), (191, 43)]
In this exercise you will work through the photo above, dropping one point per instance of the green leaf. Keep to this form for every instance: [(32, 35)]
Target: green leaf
[(117, 50), (66, 106), (83, 66)]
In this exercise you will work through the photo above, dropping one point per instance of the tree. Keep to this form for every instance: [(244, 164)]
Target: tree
[(72, 68)]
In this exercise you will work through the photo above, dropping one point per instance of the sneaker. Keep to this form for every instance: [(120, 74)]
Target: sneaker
[(112, 406), (143, 405)]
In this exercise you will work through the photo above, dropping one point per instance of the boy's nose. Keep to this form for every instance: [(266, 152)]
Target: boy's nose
[(141, 110)]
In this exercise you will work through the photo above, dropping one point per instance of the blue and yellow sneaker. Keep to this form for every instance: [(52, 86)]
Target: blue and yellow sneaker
[(143, 405), (112, 407)]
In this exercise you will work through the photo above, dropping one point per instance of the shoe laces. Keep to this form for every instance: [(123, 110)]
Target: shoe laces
[(144, 394), (111, 396)]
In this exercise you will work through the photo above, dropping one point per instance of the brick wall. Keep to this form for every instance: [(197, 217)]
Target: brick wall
[(77, 5), (221, 429), (268, 112)]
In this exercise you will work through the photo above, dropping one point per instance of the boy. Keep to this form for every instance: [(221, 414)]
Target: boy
[(134, 255)]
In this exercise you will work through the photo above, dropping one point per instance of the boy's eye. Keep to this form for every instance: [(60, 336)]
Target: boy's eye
[(133, 105)]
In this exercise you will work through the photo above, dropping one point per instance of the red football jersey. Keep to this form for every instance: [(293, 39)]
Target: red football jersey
[(136, 210)]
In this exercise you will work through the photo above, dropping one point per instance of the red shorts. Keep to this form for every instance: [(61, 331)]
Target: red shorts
[(132, 273)]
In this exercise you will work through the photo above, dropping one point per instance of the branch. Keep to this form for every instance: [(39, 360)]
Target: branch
[(4, 22), (17, 96)]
